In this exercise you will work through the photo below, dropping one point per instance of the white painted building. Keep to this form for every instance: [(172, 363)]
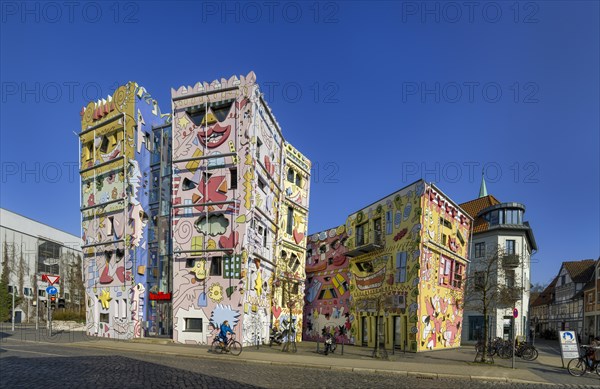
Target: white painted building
[(32, 249), (500, 227)]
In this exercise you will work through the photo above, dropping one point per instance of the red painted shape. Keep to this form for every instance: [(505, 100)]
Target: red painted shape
[(160, 296)]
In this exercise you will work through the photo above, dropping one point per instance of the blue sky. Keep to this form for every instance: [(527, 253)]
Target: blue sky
[(376, 94)]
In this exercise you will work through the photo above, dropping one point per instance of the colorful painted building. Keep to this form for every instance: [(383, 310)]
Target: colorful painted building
[(239, 224), (408, 258), (117, 145), (327, 293)]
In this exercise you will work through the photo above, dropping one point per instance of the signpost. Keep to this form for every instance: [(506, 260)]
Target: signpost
[(51, 290), (569, 348)]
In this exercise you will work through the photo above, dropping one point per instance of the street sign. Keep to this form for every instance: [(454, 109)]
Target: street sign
[(51, 290), (515, 313), (51, 279), (568, 345)]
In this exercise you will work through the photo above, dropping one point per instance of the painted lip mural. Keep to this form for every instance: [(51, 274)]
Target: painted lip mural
[(215, 136), (372, 281)]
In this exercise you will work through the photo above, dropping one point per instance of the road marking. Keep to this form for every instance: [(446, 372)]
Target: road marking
[(33, 352)]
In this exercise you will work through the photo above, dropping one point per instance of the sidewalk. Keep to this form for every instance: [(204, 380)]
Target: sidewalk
[(452, 364)]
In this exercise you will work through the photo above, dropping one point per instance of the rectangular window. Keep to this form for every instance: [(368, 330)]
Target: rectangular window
[(290, 220), (445, 223), (360, 235), (232, 266), (110, 229), (401, 267), (445, 270), (193, 324), (216, 266), (265, 235), (510, 247), (510, 278), (104, 318), (388, 222), (190, 262), (233, 178), (261, 184), (258, 145), (123, 308), (479, 250), (459, 270), (444, 238), (41, 293)]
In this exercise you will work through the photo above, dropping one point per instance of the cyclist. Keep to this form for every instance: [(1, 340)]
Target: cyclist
[(225, 329), (595, 356)]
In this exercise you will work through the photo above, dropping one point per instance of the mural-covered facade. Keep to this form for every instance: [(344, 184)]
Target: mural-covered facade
[(116, 141), (408, 258), (327, 293), (230, 209)]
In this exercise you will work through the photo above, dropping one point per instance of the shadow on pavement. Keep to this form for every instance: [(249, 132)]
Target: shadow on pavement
[(102, 372)]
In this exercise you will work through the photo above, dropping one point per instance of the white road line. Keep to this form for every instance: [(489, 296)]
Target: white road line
[(32, 352)]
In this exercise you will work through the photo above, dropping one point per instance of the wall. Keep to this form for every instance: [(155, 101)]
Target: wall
[(115, 173), (327, 293)]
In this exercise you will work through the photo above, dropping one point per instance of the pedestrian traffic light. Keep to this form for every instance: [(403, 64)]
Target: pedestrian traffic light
[(53, 302)]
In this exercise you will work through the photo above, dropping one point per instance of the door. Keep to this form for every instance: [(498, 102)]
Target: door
[(365, 330), (381, 330), (397, 332)]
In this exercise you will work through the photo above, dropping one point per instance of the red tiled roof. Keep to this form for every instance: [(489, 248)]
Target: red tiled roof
[(473, 207), (580, 271), (545, 297)]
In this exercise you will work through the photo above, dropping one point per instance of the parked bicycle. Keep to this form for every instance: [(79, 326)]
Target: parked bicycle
[(492, 348), (232, 346), (585, 363), (523, 350)]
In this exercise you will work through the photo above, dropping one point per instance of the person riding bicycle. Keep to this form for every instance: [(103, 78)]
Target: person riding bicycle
[(225, 329)]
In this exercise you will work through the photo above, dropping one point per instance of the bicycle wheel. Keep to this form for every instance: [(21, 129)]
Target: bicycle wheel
[(576, 367), (527, 353), (215, 347), (535, 354), (598, 368), (505, 352), (235, 348)]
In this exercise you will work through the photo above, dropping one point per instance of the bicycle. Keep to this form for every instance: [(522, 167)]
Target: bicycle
[(523, 350), (232, 346), (493, 347), (579, 366)]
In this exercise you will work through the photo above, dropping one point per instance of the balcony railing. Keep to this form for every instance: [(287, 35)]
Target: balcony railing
[(510, 260), (365, 243)]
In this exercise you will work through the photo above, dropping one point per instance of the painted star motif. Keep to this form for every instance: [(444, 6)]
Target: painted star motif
[(183, 122), (105, 298)]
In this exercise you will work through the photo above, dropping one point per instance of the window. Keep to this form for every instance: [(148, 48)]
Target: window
[(445, 222), (290, 220), (339, 282), (460, 237), (27, 291), (190, 262), (388, 222), (298, 180), (401, 267), (294, 263), (510, 279), (563, 280), (197, 117), (479, 280), (258, 145), (193, 324), (459, 270), (445, 270), (309, 253), (41, 293), (123, 308), (479, 250), (222, 111), (233, 178), (290, 175), (510, 247), (493, 218), (444, 238), (265, 234), (216, 268), (110, 229), (365, 267), (232, 266), (323, 249), (104, 144), (330, 261), (104, 318), (360, 235), (261, 184)]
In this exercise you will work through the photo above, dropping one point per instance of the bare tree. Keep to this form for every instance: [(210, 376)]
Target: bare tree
[(491, 285)]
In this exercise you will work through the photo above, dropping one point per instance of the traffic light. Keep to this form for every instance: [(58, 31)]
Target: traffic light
[(53, 302), (61, 303)]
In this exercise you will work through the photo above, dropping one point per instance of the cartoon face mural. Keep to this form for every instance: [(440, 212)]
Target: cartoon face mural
[(396, 261), (327, 294)]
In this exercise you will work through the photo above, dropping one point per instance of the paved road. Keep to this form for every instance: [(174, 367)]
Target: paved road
[(33, 360)]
